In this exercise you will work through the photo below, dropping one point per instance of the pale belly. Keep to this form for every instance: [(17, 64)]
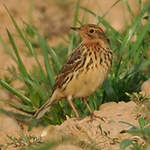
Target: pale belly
[(86, 83)]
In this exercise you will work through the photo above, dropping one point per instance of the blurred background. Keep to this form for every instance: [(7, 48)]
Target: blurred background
[(54, 17)]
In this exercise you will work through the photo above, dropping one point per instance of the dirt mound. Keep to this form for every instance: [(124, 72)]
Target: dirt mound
[(102, 133)]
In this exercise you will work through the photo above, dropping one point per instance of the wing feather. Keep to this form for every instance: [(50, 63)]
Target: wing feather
[(74, 60)]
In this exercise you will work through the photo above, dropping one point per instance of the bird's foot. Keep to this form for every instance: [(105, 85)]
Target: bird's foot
[(93, 117)]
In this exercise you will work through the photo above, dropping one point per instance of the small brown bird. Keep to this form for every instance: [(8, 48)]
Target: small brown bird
[(85, 70)]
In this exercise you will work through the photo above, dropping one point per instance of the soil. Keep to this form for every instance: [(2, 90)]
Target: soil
[(104, 130), (53, 19)]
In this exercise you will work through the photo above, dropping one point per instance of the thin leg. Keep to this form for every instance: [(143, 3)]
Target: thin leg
[(87, 105), (91, 112), (72, 105)]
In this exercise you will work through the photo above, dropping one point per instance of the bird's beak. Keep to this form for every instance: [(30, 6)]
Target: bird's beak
[(75, 28)]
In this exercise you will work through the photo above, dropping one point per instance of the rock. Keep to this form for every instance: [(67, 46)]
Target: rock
[(145, 88)]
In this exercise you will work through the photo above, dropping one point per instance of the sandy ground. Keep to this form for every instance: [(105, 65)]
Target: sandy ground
[(87, 130), (53, 20)]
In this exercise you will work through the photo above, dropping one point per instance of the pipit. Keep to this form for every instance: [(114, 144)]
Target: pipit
[(85, 70)]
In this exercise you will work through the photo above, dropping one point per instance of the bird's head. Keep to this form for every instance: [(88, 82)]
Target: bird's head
[(90, 32)]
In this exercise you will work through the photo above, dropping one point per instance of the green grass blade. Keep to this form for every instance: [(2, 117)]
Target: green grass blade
[(114, 4), (129, 124), (18, 116), (14, 91), (140, 4), (31, 9), (37, 94), (21, 34), (128, 7), (16, 26), (125, 143), (101, 20), (54, 58), (126, 41), (19, 61), (22, 107), (7, 49), (36, 59), (141, 37), (76, 14), (70, 48), (75, 21), (133, 28), (48, 67)]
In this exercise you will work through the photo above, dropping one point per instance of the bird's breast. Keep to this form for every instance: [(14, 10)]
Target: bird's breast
[(90, 76)]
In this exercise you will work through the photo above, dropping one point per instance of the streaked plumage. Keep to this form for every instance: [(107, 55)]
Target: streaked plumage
[(85, 70)]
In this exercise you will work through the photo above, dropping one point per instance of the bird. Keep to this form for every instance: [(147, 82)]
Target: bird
[(84, 71)]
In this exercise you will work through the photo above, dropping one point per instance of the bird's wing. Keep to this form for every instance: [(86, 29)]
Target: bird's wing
[(74, 61)]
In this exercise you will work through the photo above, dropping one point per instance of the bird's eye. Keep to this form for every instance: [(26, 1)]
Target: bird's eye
[(91, 31)]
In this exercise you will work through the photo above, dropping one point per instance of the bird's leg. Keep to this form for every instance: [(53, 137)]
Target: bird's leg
[(72, 105), (87, 105), (91, 112)]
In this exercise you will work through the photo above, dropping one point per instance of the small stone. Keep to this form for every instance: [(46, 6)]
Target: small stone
[(145, 88)]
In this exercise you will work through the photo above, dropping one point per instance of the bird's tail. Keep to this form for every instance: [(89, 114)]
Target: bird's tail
[(44, 108)]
